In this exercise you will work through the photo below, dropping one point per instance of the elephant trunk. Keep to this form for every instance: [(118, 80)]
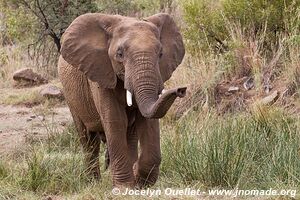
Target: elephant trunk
[(146, 86), (158, 107)]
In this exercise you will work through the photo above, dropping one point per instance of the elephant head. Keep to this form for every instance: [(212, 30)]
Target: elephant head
[(142, 53)]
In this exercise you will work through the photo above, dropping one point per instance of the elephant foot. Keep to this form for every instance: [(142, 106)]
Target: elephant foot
[(145, 178), (142, 182), (94, 173), (93, 169), (124, 185)]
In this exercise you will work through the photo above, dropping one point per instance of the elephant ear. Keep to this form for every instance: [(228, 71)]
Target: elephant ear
[(172, 44), (85, 46)]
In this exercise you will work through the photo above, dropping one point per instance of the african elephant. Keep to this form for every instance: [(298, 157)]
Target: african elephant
[(113, 70)]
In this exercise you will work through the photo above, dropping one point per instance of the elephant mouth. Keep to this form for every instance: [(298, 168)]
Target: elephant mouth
[(129, 96)]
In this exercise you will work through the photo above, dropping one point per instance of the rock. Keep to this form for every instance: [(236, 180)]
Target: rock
[(22, 112), (267, 88), (26, 76), (29, 119), (249, 83), (41, 118), (63, 123), (51, 91), (233, 89), (271, 99)]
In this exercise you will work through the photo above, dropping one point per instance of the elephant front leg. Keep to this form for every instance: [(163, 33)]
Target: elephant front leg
[(119, 155), (132, 137), (114, 120), (146, 169)]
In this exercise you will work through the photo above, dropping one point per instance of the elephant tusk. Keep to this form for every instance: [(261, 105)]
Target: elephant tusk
[(163, 91), (129, 98)]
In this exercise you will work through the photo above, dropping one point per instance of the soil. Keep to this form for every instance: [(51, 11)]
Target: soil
[(20, 123)]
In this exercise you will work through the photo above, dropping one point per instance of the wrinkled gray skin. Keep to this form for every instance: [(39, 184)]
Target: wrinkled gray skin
[(102, 56)]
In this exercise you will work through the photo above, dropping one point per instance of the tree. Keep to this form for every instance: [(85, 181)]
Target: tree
[(54, 16)]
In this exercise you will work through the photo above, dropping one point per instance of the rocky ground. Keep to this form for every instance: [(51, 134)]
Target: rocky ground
[(20, 123), (25, 111)]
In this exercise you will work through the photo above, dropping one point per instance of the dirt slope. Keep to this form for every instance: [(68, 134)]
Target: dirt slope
[(19, 123)]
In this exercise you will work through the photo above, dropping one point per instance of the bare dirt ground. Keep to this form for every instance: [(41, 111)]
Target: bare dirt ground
[(19, 123)]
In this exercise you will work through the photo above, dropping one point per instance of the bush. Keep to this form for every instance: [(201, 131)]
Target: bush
[(129, 7), (17, 26), (205, 28), (207, 21)]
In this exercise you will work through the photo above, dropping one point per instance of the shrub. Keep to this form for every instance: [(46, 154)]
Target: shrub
[(129, 7), (205, 28), (17, 26), (207, 21)]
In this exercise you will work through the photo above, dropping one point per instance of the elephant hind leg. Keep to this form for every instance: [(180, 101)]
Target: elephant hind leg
[(90, 142), (107, 160), (91, 145)]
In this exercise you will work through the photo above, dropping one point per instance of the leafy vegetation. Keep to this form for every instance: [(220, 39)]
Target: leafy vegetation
[(46, 18), (207, 21)]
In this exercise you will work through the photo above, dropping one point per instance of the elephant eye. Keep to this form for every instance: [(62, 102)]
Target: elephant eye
[(119, 54)]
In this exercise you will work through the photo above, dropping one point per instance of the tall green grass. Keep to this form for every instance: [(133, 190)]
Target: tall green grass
[(52, 166), (258, 150)]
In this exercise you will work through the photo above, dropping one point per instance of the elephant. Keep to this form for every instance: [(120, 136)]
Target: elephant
[(112, 69)]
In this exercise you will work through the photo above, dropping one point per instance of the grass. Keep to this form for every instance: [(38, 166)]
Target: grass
[(28, 96), (244, 151), (202, 151), (21, 96), (51, 166)]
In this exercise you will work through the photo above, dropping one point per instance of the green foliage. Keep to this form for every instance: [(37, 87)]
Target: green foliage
[(37, 19), (256, 15), (17, 24), (204, 27), (207, 21), (129, 7), (24, 19)]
